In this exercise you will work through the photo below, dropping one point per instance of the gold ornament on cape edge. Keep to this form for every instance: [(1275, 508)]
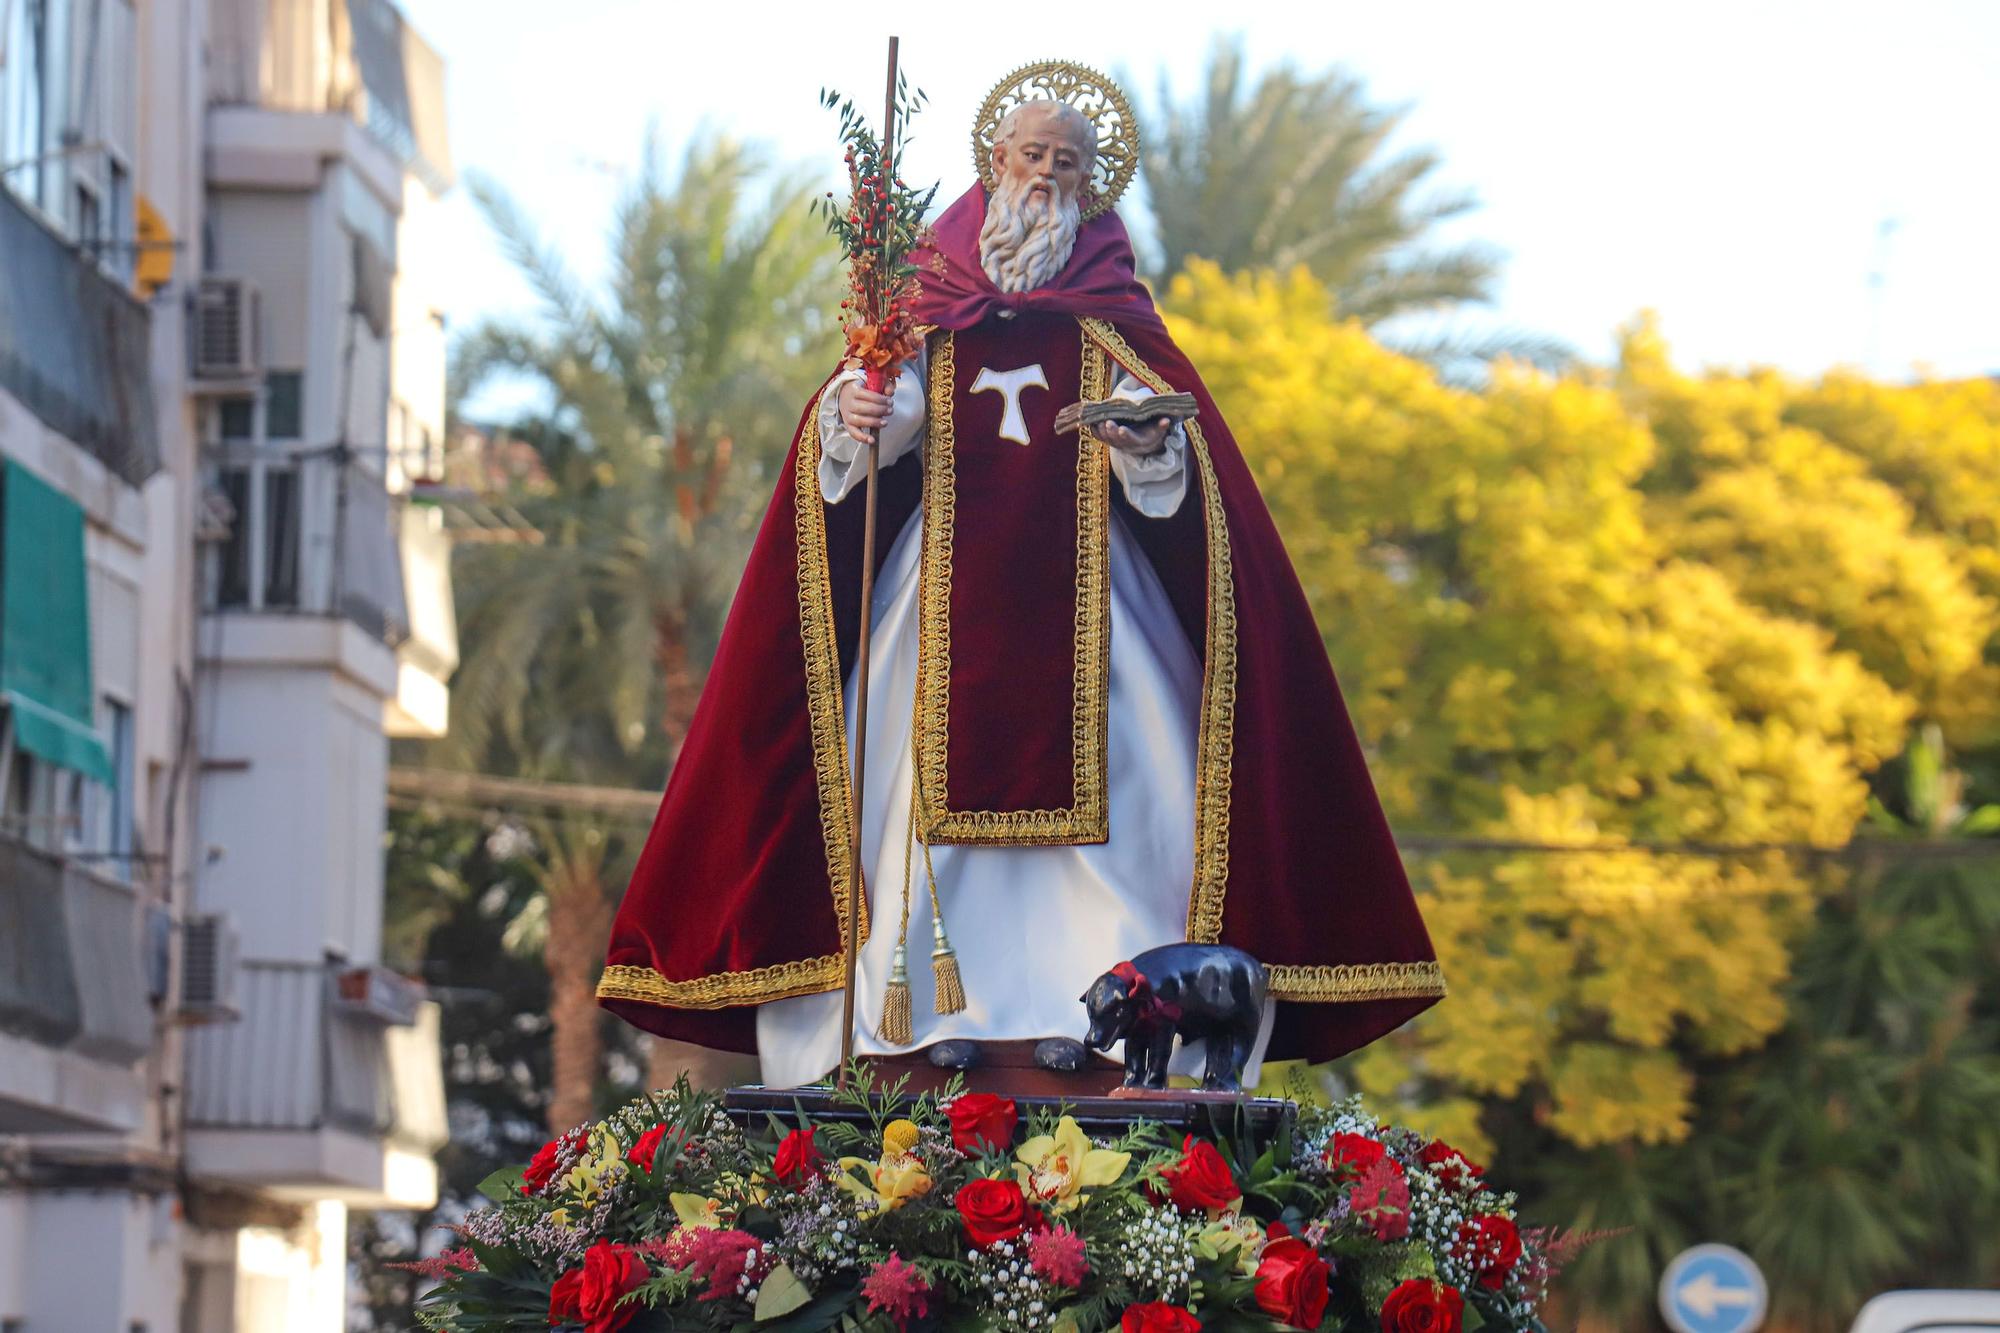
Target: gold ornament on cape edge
[(1102, 102)]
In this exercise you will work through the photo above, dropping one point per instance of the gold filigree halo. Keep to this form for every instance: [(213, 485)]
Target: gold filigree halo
[(1102, 102)]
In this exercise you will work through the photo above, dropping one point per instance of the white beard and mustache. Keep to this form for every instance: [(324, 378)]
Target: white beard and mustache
[(1027, 239)]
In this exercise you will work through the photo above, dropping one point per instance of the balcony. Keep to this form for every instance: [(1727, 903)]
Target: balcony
[(357, 59), (74, 347), (312, 1096), (310, 534), (74, 1014)]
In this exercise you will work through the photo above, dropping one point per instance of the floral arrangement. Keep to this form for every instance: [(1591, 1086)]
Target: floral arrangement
[(957, 1211), (880, 227)]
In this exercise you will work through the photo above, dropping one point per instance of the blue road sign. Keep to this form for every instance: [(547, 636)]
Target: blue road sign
[(1713, 1289)]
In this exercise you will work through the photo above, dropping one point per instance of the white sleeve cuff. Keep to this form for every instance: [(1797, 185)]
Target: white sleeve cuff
[(1156, 483)]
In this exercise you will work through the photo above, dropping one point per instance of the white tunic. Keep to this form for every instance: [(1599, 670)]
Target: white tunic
[(1033, 926)]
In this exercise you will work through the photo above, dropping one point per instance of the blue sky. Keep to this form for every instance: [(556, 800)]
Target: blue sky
[(1731, 166)]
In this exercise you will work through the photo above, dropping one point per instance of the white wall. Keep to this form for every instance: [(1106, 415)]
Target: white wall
[(98, 1260), (296, 764)]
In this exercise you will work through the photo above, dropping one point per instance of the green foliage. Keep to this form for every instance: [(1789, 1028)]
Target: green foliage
[(668, 400), (1291, 170), (711, 1198), (1294, 170), (1612, 609)]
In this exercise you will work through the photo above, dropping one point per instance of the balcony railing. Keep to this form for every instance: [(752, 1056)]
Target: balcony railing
[(299, 1060), (74, 346), (309, 534), (74, 979)]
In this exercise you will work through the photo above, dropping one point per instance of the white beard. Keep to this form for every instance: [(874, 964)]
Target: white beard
[(1026, 240)]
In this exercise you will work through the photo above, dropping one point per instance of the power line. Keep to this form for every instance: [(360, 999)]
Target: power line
[(413, 787)]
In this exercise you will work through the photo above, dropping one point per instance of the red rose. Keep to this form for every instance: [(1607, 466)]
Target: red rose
[(591, 1293), (1202, 1181), (1350, 1155), (1423, 1306), (1158, 1317), (1292, 1283), (798, 1159), (1453, 1167), (1491, 1244), (566, 1297), (981, 1118), (535, 1177), (642, 1153), (992, 1210)]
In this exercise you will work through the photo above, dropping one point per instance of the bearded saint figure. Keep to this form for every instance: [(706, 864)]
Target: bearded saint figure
[(1100, 716)]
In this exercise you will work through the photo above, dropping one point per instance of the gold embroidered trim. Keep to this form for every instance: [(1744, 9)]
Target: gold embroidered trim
[(826, 714), (1087, 819), (825, 709), (1357, 981), (757, 985), (1215, 744)]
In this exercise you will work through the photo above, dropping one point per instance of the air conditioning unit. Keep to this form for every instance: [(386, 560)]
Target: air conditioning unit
[(208, 970), (377, 994), (225, 329)]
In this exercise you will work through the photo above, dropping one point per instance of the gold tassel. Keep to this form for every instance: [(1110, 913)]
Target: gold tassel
[(896, 1028), (944, 965)]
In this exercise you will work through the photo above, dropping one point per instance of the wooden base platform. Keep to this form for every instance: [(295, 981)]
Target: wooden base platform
[(1005, 1066)]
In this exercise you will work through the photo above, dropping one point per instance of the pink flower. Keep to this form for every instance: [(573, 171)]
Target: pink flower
[(449, 1264), (675, 1249), (1381, 1198), (732, 1261), (898, 1288), (1057, 1255)]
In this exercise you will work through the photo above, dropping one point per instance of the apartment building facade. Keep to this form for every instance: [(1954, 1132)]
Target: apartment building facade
[(220, 372)]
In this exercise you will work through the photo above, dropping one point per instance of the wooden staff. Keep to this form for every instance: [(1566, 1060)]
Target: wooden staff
[(861, 667)]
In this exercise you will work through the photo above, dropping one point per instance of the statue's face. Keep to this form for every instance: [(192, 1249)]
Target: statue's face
[(1042, 157)]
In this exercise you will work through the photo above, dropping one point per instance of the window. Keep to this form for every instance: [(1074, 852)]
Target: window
[(284, 411), (233, 579), (236, 420), (107, 830), (49, 739), (281, 537), (38, 800), (120, 227), (25, 115), (284, 407), (271, 517), (86, 221)]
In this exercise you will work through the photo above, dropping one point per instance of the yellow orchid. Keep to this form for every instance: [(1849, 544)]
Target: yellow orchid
[(694, 1210), (604, 1157), (752, 1189), (1233, 1232), (892, 1182), (1056, 1168)]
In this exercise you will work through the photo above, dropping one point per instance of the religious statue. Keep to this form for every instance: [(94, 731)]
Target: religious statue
[(1100, 717)]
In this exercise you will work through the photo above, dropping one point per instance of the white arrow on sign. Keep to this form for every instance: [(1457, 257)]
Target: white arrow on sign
[(1704, 1295)]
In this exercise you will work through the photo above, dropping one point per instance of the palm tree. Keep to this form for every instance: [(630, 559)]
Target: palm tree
[(1295, 170), (584, 655)]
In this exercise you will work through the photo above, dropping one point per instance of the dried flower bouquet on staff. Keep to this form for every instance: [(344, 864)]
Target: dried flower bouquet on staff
[(882, 224)]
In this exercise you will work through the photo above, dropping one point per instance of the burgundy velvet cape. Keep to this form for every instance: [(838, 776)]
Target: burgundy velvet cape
[(739, 897)]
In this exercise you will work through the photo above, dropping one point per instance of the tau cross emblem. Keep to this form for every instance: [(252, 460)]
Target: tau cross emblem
[(1010, 385)]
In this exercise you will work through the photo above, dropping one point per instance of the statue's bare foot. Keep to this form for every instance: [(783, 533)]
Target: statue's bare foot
[(1064, 1055), (957, 1054)]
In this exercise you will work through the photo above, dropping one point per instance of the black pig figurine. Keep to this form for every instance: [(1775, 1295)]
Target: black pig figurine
[(1209, 993)]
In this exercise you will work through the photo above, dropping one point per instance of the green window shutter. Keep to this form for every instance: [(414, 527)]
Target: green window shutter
[(45, 676)]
